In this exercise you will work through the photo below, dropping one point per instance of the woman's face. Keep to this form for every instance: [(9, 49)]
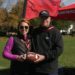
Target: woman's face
[(24, 28)]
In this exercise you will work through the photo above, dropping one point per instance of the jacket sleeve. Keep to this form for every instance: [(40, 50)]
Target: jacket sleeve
[(57, 46), (8, 48)]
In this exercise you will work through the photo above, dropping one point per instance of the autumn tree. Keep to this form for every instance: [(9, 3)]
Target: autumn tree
[(3, 17), (9, 20), (15, 14)]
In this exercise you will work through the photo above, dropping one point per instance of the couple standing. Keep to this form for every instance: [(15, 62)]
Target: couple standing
[(35, 52)]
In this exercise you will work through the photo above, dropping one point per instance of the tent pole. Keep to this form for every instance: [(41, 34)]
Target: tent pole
[(24, 9)]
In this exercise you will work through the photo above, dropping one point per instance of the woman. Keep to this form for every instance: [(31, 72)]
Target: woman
[(16, 49)]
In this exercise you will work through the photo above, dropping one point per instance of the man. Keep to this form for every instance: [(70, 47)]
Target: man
[(47, 44)]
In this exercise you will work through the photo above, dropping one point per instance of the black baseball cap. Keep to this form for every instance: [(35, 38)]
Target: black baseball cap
[(44, 14)]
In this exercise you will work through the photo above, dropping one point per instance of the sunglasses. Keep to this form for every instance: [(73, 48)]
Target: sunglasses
[(22, 27)]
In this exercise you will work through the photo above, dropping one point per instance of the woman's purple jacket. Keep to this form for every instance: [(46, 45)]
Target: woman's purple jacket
[(7, 50)]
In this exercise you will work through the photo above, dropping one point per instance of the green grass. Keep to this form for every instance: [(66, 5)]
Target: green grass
[(3, 62), (67, 59)]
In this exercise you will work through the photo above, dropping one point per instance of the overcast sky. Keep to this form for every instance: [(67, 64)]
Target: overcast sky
[(9, 2), (67, 2)]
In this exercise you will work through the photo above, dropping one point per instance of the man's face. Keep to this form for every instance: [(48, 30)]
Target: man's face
[(46, 22)]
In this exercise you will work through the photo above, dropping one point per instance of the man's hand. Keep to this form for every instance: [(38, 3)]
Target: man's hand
[(40, 58), (35, 57)]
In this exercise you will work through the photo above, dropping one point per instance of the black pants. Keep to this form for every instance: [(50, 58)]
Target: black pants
[(37, 73), (30, 74), (55, 72)]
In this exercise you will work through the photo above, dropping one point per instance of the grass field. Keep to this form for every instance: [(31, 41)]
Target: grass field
[(67, 59), (4, 63)]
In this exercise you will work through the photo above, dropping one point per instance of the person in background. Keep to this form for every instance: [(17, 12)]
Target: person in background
[(16, 49), (47, 44)]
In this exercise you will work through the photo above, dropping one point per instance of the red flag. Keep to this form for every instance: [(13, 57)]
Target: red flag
[(35, 6)]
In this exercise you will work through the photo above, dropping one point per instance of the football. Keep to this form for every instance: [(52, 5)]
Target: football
[(32, 57)]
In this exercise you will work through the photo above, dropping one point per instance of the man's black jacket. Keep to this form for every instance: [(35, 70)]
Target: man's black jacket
[(48, 42)]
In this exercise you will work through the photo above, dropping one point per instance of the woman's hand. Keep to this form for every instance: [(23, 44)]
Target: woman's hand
[(21, 57)]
